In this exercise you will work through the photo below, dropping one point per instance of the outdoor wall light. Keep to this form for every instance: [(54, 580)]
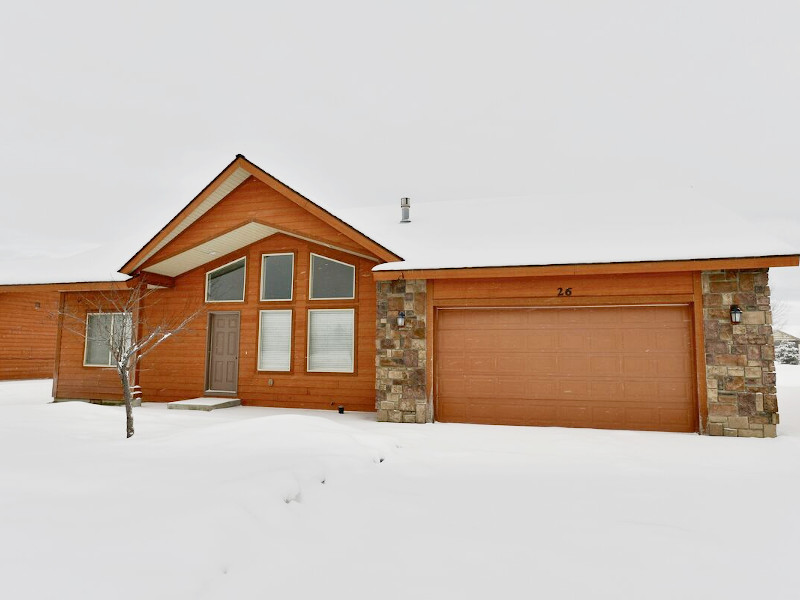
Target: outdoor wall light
[(736, 314), (401, 319)]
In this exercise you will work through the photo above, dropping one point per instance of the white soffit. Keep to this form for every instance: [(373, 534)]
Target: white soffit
[(223, 189), (212, 250)]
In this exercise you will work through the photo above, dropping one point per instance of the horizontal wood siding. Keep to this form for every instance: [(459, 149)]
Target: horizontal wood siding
[(254, 201), (585, 286), (74, 380), (28, 327), (176, 370)]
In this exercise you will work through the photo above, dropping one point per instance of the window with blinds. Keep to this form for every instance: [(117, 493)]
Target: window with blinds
[(330, 340), (275, 340)]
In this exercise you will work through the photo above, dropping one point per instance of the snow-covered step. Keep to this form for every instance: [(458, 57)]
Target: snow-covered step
[(207, 403)]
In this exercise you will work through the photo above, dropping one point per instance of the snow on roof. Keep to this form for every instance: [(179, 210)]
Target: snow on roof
[(558, 230), (30, 259)]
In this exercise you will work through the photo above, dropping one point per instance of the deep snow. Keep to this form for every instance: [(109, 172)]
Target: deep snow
[(232, 504)]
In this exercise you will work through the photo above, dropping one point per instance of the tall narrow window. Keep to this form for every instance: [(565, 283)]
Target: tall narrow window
[(275, 340), (330, 340), (331, 279), (277, 273), (107, 334), (226, 284)]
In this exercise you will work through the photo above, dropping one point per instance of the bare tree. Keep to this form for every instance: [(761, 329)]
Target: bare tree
[(780, 314), (116, 322)]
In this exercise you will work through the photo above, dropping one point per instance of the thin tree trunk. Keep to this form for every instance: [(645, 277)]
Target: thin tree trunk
[(126, 394)]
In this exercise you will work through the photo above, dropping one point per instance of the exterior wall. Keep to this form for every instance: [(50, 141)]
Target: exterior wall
[(400, 381), (176, 369), (740, 367), (72, 380), (28, 328), (253, 200)]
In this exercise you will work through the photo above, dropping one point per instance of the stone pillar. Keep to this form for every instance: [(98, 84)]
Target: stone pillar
[(740, 367), (401, 352)]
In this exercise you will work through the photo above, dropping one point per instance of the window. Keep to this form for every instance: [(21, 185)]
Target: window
[(331, 279), (330, 340), (277, 273), (226, 284), (275, 340), (105, 331)]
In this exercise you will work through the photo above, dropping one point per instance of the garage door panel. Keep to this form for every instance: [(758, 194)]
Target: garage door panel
[(573, 365), (541, 389), (452, 364), (540, 364), (605, 340), (482, 363), (451, 387), (573, 389), (605, 390), (615, 367), (541, 341), (607, 365), (511, 363)]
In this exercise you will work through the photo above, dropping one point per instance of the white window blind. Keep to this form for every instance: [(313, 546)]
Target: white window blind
[(330, 340), (275, 340)]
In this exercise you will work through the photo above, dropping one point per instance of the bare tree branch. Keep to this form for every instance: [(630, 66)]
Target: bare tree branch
[(125, 331)]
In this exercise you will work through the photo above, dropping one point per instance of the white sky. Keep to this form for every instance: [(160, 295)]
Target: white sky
[(113, 117)]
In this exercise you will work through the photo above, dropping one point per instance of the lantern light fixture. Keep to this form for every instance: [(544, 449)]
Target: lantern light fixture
[(736, 314), (401, 319)]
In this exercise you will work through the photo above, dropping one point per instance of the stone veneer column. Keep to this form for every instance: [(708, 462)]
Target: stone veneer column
[(401, 352), (740, 367)]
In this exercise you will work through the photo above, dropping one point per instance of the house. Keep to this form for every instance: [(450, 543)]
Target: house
[(468, 314), (787, 348)]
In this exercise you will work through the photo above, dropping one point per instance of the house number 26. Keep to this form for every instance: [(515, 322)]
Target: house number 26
[(565, 292)]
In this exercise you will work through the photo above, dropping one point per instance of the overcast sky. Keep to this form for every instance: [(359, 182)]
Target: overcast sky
[(113, 117)]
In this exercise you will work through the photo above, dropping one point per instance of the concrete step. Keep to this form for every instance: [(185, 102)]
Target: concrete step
[(204, 403)]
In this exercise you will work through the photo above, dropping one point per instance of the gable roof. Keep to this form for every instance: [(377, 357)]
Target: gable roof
[(782, 336), (239, 170)]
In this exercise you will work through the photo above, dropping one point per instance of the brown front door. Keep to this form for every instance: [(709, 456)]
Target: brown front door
[(223, 352), (612, 368)]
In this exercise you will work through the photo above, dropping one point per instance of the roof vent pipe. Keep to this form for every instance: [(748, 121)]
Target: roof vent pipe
[(405, 209)]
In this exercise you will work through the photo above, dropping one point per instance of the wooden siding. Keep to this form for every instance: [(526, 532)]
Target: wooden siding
[(586, 286), (72, 380), (176, 370), (28, 328), (254, 201)]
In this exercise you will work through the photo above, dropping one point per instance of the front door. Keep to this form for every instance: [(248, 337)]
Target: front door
[(223, 352)]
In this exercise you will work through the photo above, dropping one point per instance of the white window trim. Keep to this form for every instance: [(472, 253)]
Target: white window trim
[(261, 279), (311, 278), (291, 341), (308, 339), (244, 283), (109, 365)]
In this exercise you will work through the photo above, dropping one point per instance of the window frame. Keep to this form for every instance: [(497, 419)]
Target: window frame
[(354, 338), (261, 278), (291, 341), (110, 364), (244, 282), (311, 277)]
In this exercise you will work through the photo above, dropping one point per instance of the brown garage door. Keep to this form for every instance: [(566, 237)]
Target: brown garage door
[(606, 367)]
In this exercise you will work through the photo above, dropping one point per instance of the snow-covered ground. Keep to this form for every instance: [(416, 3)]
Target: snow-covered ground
[(261, 503)]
